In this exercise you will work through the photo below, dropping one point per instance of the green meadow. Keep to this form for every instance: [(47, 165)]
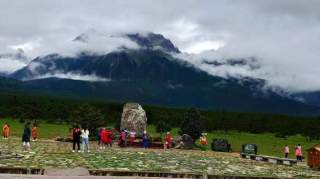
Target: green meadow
[(267, 143)]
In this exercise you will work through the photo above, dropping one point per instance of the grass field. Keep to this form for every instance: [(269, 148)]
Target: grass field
[(267, 143)]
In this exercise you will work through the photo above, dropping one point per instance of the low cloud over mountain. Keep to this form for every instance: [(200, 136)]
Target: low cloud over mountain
[(283, 36)]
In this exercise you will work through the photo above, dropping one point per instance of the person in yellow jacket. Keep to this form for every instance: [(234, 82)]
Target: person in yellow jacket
[(6, 130)]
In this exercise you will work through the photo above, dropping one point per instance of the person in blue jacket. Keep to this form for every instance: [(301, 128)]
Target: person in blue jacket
[(145, 140), (26, 136)]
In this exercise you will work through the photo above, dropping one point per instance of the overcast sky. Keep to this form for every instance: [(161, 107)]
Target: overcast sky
[(284, 35)]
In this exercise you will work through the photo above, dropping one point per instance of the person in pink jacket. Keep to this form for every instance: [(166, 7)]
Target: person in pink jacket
[(286, 151), (299, 153)]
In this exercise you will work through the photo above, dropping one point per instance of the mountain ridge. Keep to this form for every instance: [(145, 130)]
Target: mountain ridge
[(154, 76)]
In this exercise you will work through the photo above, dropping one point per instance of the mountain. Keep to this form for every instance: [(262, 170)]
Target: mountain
[(149, 75), (311, 98), (153, 41)]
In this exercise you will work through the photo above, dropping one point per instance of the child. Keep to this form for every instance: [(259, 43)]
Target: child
[(6, 130), (26, 136), (34, 132)]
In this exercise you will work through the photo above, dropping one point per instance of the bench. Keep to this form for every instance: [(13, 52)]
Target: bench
[(270, 159)]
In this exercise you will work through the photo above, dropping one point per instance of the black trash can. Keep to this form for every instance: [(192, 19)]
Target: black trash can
[(220, 145)]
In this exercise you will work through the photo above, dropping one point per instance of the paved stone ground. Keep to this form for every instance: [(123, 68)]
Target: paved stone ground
[(8, 176), (51, 154)]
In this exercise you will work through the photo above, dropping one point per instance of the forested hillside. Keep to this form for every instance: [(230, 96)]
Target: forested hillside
[(68, 110)]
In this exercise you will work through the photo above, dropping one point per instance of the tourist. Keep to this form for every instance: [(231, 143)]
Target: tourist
[(122, 139), (167, 144), (286, 151), (203, 139), (6, 130), (85, 140), (26, 136), (98, 136), (76, 136), (299, 153), (34, 132), (104, 138), (145, 140), (126, 134), (109, 138), (132, 137)]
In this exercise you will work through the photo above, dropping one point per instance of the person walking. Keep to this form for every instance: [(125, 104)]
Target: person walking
[(85, 140), (26, 137), (76, 136), (34, 132), (286, 151), (6, 130)]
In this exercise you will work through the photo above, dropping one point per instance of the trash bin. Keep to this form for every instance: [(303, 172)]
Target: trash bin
[(220, 145), (250, 149)]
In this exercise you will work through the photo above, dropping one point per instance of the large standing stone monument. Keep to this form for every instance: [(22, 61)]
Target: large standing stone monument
[(134, 118)]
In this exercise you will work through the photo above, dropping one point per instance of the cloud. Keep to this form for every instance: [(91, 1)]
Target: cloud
[(284, 36), (8, 65), (73, 76)]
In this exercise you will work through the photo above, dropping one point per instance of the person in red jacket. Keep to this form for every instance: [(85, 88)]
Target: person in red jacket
[(109, 138), (34, 132), (167, 144), (104, 138)]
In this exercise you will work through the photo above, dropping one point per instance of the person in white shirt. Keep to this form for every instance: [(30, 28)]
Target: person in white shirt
[(85, 139)]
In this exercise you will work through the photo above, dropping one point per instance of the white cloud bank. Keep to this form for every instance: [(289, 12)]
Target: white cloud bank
[(73, 76), (283, 35)]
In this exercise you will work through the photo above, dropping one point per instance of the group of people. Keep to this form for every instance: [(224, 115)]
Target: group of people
[(80, 138), (130, 137), (26, 135), (298, 152), (105, 139)]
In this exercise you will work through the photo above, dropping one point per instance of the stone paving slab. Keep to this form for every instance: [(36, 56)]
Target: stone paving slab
[(8, 176), (51, 154)]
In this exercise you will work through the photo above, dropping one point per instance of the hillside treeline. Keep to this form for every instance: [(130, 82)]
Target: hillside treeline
[(66, 110)]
